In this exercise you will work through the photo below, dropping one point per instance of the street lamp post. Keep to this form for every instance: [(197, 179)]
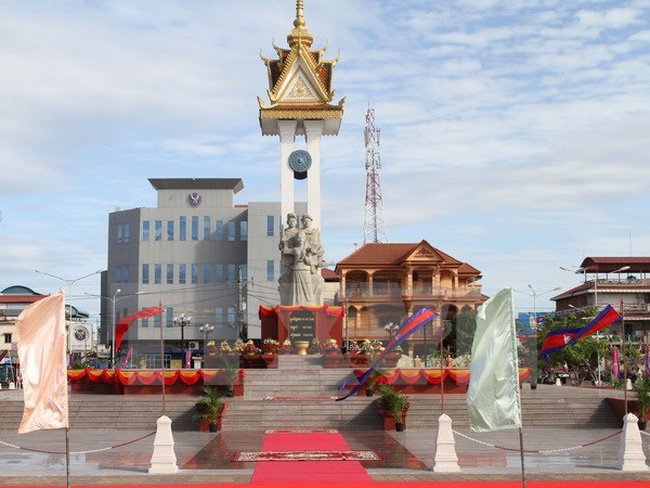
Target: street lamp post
[(183, 321), (206, 329), (114, 299), (533, 376)]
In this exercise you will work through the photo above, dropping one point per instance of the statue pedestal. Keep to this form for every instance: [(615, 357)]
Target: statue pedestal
[(302, 323)]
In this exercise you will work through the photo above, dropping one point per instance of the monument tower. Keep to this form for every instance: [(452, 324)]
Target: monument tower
[(300, 93)]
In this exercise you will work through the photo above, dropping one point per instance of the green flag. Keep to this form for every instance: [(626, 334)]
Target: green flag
[(493, 400)]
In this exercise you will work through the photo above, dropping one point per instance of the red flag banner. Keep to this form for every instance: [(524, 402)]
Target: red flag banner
[(124, 324)]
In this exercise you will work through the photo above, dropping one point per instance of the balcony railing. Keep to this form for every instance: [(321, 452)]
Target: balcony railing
[(361, 290)]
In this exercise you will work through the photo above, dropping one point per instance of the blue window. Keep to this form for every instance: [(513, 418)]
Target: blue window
[(243, 230), (157, 273), (270, 225), (218, 273), (145, 230), (158, 230), (170, 317), (182, 224), (145, 322), (219, 231), (170, 274), (170, 230), (218, 317), (126, 271), (127, 232), (119, 234), (195, 228), (231, 273), (206, 273), (231, 230), (181, 274), (157, 320), (195, 273), (231, 315), (118, 274), (206, 228), (244, 273), (145, 274), (270, 271)]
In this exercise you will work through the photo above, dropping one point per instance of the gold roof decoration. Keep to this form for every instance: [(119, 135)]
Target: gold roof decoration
[(300, 80)]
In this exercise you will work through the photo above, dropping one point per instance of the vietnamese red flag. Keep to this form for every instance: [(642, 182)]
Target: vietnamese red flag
[(124, 324), (41, 350)]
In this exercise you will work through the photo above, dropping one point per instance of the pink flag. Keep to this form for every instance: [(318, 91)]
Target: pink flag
[(41, 349)]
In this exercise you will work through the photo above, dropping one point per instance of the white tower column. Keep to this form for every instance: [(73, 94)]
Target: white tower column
[(313, 132), (287, 129)]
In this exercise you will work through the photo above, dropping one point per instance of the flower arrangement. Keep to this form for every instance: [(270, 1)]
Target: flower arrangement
[(286, 347), (314, 347), (238, 346), (250, 348), (376, 346), (211, 349), (225, 348), (353, 347), (331, 347), (398, 349), (366, 347), (270, 346)]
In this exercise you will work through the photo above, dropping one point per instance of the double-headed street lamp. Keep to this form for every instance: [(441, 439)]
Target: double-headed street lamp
[(534, 294), (206, 329), (70, 282), (183, 321), (113, 300)]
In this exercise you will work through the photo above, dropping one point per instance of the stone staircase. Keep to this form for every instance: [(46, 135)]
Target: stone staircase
[(303, 377)]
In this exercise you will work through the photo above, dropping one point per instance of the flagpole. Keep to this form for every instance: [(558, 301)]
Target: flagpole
[(67, 437), (162, 362), (521, 451), (624, 357), (442, 370)]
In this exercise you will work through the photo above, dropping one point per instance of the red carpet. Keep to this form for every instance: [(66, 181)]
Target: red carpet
[(308, 471), (430, 484)]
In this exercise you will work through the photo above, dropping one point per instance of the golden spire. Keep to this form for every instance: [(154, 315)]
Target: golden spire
[(299, 34)]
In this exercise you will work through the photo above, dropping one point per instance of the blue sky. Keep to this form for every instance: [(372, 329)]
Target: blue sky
[(514, 133)]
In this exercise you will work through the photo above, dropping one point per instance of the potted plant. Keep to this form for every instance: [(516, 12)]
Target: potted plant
[(286, 347), (371, 382), (642, 390), (393, 407), (209, 409)]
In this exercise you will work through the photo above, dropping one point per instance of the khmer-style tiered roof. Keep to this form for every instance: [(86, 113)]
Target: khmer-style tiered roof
[(300, 83)]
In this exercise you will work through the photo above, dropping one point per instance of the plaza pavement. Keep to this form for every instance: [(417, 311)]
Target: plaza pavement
[(408, 457)]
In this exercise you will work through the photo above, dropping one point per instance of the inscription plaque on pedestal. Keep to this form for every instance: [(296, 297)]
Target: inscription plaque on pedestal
[(302, 326)]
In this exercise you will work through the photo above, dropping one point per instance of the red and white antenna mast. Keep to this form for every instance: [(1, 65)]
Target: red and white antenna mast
[(374, 227)]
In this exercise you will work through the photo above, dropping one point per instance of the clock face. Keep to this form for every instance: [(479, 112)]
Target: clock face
[(194, 199), (300, 161)]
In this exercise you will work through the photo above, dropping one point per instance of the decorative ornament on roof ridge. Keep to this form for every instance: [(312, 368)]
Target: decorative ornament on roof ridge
[(303, 66)]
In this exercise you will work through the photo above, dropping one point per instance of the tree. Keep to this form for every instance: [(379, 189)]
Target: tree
[(580, 358)]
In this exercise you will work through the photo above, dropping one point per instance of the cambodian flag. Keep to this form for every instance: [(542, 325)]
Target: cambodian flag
[(604, 319), (408, 328), (556, 340)]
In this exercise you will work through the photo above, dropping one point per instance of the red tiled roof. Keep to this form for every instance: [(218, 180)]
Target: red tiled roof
[(20, 298), (392, 254), (329, 275), (468, 269), (609, 264), (572, 291)]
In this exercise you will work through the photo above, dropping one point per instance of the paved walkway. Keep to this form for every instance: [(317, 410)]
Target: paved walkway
[(408, 456)]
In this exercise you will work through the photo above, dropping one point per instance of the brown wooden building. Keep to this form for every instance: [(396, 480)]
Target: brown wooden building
[(385, 283)]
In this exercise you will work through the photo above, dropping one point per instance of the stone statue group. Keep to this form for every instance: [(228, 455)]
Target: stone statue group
[(302, 253)]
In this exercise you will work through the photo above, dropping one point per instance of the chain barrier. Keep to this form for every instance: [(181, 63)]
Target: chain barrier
[(548, 451), (14, 446)]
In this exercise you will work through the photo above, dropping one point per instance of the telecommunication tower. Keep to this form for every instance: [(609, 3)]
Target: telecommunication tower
[(374, 227)]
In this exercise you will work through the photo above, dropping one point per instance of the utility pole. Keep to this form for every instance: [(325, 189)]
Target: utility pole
[(241, 326)]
